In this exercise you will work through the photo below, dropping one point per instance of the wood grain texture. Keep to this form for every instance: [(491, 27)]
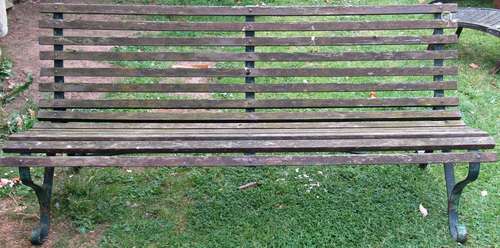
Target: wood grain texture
[(81, 126), (274, 72), (230, 161), (257, 41), (228, 146), (240, 88), (244, 134), (241, 27), (124, 9), (216, 57), (260, 104), (249, 117)]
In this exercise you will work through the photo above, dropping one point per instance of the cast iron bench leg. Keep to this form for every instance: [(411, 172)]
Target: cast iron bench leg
[(454, 190), (43, 193)]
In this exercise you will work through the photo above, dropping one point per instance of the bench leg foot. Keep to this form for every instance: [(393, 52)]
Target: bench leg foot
[(454, 190), (43, 193)]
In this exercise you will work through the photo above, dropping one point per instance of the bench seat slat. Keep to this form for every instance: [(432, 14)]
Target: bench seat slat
[(174, 56), (257, 41), (243, 134), (260, 104), (275, 72), (212, 161), (241, 88), (89, 126), (332, 145), (240, 27), (249, 117), (250, 131), (242, 11)]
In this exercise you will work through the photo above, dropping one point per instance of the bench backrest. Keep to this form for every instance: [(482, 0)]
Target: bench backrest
[(262, 59)]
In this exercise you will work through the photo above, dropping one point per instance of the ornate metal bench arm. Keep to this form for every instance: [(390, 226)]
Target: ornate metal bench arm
[(454, 190), (43, 193)]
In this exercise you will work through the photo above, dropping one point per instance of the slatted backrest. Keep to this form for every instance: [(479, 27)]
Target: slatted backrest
[(256, 59)]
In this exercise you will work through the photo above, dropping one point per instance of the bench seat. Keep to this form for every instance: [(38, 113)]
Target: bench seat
[(355, 143), (100, 138)]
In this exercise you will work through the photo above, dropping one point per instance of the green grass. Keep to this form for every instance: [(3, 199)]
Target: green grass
[(292, 207)]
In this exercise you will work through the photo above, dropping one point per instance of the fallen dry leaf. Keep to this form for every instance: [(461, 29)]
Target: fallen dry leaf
[(373, 94), (16, 180), (19, 122), (423, 210), (473, 66), (32, 113)]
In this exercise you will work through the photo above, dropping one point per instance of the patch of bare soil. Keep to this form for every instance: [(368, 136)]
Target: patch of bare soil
[(192, 80), (21, 46), (16, 225), (12, 232)]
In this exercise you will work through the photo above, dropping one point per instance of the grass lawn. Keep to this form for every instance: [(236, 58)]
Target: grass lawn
[(292, 207)]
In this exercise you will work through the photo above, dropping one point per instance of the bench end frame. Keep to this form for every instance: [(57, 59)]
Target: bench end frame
[(43, 193), (458, 231)]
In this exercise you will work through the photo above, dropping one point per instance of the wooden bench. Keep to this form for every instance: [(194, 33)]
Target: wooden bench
[(354, 81)]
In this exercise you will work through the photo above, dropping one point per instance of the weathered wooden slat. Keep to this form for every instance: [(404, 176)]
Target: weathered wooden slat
[(155, 135), (275, 72), (257, 41), (236, 104), (80, 126), (240, 88), (227, 161), (250, 117), (336, 145), (240, 27), (239, 130), (174, 56), (243, 131), (243, 11)]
